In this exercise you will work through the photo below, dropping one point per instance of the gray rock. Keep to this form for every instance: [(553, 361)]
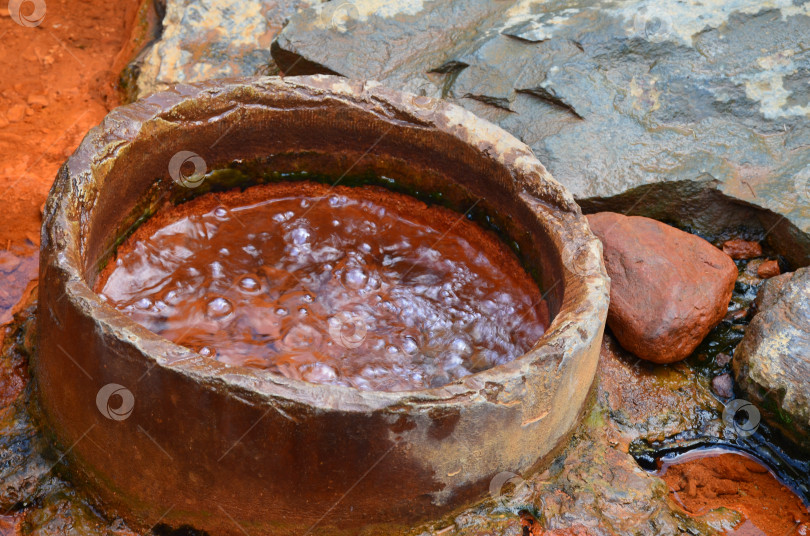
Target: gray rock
[(674, 111), (205, 39), (772, 362)]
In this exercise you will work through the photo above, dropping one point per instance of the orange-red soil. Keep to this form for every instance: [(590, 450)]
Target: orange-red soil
[(57, 80), (702, 481)]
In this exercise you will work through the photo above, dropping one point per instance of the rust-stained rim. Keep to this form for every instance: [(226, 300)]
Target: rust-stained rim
[(574, 328)]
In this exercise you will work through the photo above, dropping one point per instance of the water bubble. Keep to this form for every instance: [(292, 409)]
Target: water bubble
[(371, 371), (217, 272), (302, 336), (224, 252), (319, 373), (355, 278), (409, 345), (221, 213), (249, 285), (144, 304), (281, 217), (219, 308), (207, 351), (337, 200), (251, 250), (461, 347), (281, 311), (300, 236)]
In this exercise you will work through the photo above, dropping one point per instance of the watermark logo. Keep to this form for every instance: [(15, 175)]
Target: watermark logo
[(343, 18), (179, 172), (348, 329), (29, 20), (426, 105), (576, 258), (111, 408), (652, 26), (505, 485), (742, 417)]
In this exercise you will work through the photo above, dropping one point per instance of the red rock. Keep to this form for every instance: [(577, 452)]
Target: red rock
[(742, 249), (16, 113), (722, 360), (723, 385), (668, 288), (739, 314), (768, 269)]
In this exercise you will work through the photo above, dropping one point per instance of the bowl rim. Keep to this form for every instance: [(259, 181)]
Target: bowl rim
[(577, 323)]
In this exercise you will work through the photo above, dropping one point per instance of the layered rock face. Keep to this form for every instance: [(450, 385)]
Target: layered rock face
[(213, 39), (772, 363), (677, 112), (668, 288), (673, 107)]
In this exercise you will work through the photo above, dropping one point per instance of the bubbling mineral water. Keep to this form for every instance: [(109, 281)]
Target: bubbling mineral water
[(360, 287)]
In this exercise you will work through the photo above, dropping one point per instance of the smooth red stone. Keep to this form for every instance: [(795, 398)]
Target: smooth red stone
[(668, 288), (742, 249), (768, 269)]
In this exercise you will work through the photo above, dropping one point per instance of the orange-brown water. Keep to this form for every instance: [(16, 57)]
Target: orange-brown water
[(352, 286)]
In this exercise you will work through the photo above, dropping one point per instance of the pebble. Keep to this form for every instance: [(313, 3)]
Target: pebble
[(16, 113), (723, 385), (38, 100), (768, 269), (722, 359), (742, 249)]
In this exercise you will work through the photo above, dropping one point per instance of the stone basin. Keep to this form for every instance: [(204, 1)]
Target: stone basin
[(166, 436)]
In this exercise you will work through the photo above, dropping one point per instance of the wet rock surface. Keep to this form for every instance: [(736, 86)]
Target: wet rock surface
[(654, 403), (670, 112), (595, 486), (18, 267), (772, 363), (668, 288), (656, 107)]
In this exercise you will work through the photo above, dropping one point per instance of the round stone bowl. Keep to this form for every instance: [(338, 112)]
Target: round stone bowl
[(163, 435)]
